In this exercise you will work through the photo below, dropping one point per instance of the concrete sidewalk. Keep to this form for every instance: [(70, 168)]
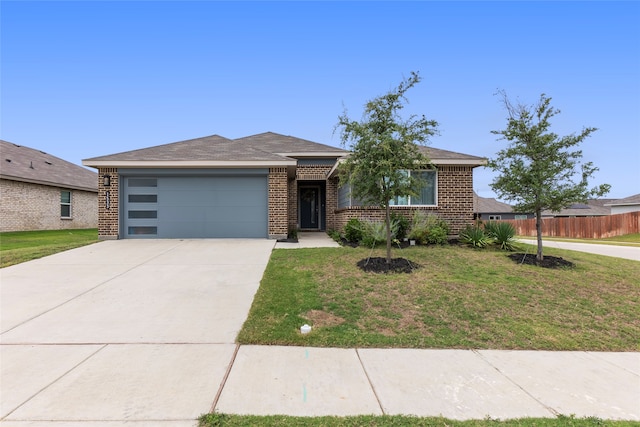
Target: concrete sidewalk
[(456, 384), (626, 252), (143, 333), (310, 239)]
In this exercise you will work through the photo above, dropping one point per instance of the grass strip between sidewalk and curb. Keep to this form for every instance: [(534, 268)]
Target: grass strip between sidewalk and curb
[(216, 420)]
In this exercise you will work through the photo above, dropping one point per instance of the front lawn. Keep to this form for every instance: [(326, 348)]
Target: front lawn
[(21, 246), (459, 298)]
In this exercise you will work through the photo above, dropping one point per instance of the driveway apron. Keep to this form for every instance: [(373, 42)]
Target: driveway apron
[(126, 330)]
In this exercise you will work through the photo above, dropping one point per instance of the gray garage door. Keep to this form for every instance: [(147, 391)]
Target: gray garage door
[(194, 206)]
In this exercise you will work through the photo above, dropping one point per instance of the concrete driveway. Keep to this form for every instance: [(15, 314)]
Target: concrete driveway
[(127, 330)]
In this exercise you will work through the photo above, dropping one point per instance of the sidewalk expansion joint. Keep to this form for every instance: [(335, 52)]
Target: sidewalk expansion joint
[(547, 407), (224, 379), (55, 380), (370, 383)]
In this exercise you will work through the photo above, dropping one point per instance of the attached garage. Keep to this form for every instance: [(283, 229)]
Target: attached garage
[(213, 187), (194, 204)]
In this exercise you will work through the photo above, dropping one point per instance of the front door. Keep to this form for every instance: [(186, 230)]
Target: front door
[(310, 208)]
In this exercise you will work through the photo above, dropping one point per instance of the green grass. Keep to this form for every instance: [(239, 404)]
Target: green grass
[(460, 298), (21, 246), (215, 420)]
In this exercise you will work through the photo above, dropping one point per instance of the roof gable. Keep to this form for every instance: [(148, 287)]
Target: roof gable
[(20, 163), (288, 145), (439, 156)]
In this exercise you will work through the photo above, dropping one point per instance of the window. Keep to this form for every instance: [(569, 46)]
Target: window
[(65, 204), (426, 195), (520, 217), (143, 198), (495, 217)]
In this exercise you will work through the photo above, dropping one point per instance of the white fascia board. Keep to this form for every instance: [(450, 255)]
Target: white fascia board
[(458, 162), (187, 163), (622, 204)]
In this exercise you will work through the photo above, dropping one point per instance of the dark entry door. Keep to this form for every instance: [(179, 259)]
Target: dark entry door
[(309, 208)]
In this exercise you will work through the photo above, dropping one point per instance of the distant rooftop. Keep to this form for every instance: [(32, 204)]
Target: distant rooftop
[(20, 163)]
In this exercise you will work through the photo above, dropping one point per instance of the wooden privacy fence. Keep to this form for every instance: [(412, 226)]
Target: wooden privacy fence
[(595, 227)]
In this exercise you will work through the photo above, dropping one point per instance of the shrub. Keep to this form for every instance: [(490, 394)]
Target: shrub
[(335, 235), (437, 235), (353, 230), (502, 234), (400, 224), (373, 233), (474, 236), (428, 228)]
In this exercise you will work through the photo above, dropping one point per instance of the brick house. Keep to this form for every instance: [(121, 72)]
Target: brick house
[(263, 185), (41, 192)]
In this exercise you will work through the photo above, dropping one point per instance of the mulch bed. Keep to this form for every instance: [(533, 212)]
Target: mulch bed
[(547, 262), (379, 265)]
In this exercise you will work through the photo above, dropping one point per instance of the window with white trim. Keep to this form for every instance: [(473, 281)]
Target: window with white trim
[(65, 204), (426, 194)]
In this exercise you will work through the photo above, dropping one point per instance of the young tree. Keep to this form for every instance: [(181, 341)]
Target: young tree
[(383, 147), (538, 169)]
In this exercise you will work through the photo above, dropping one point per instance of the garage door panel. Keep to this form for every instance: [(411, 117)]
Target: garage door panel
[(236, 229), (196, 206), (183, 213), (181, 229)]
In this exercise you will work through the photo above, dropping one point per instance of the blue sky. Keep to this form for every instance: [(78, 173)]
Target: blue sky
[(81, 79)]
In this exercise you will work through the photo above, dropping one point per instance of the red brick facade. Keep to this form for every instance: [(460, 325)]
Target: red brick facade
[(278, 201), (455, 202), (108, 206)]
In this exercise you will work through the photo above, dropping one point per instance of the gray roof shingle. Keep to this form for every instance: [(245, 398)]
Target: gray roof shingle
[(285, 144), (631, 200), (263, 147), (20, 163)]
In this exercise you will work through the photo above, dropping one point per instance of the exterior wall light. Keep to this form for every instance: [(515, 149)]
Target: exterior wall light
[(106, 180)]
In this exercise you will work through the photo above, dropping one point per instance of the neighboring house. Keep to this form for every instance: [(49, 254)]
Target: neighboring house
[(41, 192), (489, 209), (593, 207), (263, 185), (628, 204)]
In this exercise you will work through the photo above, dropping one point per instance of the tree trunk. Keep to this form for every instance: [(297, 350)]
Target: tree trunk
[(388, 223), (539, 256)]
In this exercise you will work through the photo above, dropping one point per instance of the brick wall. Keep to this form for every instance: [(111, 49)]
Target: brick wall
[(108, 213), (278, 201), (25, 206), (455, 202)]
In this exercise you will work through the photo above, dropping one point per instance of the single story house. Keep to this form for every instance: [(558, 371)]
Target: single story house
[(490, 209), (628, 204), (263, 185), (39, 191), (593, 207)]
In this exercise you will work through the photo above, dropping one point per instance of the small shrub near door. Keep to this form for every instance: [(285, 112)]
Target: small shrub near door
[(353, 230)]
